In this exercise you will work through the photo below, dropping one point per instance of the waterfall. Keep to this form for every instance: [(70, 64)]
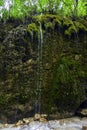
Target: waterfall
[(39, 71)]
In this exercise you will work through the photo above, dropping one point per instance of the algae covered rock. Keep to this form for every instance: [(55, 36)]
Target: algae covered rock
[(74, 27)]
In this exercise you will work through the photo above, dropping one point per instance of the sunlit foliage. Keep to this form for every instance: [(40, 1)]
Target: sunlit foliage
[(21, 8)]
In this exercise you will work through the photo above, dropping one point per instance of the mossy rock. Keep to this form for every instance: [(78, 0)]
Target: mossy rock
[(75, 27), (49, 25), (39, 18), (71, 29), (80, 26), (48, 18), (32, 27), (84, 22), (67, 22), (33, 30), (58, 21), (49, 21)]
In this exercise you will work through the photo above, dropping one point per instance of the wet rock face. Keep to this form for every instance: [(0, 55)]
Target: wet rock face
[(82, 109), (63, 65)]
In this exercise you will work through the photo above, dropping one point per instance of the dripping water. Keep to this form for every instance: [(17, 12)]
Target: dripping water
[(39, 71)]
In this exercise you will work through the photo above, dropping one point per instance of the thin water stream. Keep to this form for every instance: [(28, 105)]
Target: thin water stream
[(39, 72)]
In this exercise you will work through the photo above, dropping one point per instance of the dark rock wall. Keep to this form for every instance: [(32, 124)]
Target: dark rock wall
[(63, 66)]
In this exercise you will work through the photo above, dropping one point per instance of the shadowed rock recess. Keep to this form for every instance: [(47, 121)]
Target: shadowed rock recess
[(63, 66)]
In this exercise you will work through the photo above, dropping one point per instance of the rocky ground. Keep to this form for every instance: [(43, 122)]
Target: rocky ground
[(40, 123)]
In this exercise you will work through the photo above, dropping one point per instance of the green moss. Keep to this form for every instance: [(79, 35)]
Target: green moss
[(48, 18), (33, 30), (70, 26), (66, 83), (49, 25), (40, 18), (71, 29), (67, 22), (74, 27), (84, 22), (58, 21), (80, 26), (32, 27)]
